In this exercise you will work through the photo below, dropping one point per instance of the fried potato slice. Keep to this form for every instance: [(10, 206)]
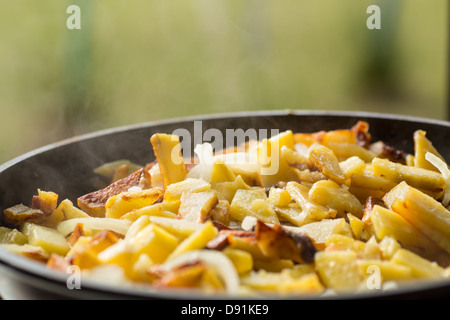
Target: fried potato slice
[(425, 213), (329, 194), (422, 145), (387, 223), (196, 240), (156, 209), (253, 203), (431, 182), (275, 244), (124, 202), (20, 213), (174, 191), (167, 150), (420, 267), (274, 168), (27, 250), (197, 206), (313, 211), (344, 151), (69, 211), (326, 161), (94, 203), (47, 238), (46, 201), (338, 270)]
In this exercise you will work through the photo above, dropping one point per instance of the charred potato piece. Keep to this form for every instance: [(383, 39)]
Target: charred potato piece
[(20, 213), (94, 203)]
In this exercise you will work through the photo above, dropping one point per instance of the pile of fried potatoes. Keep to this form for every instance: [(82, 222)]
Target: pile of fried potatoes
[(341, 214)]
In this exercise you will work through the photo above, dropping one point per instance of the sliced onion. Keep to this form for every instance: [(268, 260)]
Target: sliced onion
[(248, 223), (443, 168), (214, 259), (120, 226), (195, 172)]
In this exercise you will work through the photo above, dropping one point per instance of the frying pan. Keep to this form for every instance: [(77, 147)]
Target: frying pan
[(67, 167)]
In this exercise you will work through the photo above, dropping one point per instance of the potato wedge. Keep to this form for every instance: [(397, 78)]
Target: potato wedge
[(174, 191), (227, 190), (178, 227), (12, 236), (352, 166), (422, 145), (343, 151), (293, 214), (124, 202), (196, 240), (69, 211), (156, 209), (154, 241), (326, 161), (94, 203), (167, 150), (389, 270), (312, 210), (388, 223), (426, 180), (27, 250), (284, 284), (275, 168), (253, 203), (197, 206), (20, 213), (421, 268), (423, 212), (242, 260), (320, 231), (329, 194), (48, 239), (46, 201), (220, 212), (339, 270), (275, 244), (279, 197), (367, 180)]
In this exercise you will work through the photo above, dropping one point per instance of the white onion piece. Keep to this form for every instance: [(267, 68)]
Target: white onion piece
[(195, 172), (117, 225), (107, 273), (248, 223), (443, 168), (214, 259), (302, 149), (205, 156)]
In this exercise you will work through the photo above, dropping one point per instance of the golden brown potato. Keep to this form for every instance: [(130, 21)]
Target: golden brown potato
[(167, 150), (94, 203), (20, 213)]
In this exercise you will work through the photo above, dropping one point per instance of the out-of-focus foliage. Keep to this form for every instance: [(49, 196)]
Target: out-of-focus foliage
[(135, 61)]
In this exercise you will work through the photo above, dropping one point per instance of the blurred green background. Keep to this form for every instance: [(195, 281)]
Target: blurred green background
[(144, 60)]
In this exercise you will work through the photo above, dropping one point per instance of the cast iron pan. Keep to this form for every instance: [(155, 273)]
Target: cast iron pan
[(66, 168)]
